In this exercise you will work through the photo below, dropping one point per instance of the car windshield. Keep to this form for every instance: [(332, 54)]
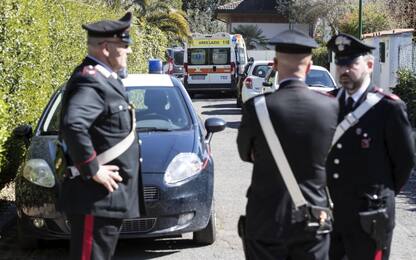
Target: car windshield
[(157, 109), (319, 78)]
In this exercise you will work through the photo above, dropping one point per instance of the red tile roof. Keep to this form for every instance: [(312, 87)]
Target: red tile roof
[(389, 32)]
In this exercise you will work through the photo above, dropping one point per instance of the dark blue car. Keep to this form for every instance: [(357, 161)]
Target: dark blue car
[(177, 167)]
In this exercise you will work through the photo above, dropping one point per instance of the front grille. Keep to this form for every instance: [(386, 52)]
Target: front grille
[(138, 225), (151, 193)]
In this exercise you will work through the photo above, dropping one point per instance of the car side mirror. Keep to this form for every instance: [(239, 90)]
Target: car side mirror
[(23, 131), (267, 84), (214, 125)]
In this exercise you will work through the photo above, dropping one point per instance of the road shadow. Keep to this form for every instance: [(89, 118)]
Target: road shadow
[(409, 191), (234, 125), (150, 249), (127, 249), (224, 105), (222, 112), (213, 95)]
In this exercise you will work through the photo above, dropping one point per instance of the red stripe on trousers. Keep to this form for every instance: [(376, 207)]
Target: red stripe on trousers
[(378, 255), (87, 237)]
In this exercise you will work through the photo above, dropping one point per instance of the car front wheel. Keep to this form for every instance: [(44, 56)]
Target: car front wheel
[(207, 235), (25, 241)]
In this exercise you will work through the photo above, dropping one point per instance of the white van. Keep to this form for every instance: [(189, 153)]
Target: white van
[(212, 62)]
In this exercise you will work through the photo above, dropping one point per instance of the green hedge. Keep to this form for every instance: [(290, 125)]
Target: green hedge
[(406, 90), (320, 57), (41, 42)]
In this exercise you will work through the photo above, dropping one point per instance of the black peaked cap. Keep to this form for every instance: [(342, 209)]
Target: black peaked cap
[(346, 48), (111, 28), (293, 41)]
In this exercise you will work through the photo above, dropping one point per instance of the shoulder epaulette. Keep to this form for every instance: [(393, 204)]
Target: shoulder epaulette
[(88, 70), (387, 95), (328, 94)]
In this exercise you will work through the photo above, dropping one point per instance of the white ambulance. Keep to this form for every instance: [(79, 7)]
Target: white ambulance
[(213, 62)]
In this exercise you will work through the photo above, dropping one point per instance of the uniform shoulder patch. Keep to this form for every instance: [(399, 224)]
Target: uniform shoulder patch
[(387, 95), (325, 93), (88, 71)]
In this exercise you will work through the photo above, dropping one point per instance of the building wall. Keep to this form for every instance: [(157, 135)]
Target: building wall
[(271, 29), (384, 73)]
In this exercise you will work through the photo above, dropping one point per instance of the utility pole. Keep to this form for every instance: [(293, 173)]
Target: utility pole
[(360, 20)]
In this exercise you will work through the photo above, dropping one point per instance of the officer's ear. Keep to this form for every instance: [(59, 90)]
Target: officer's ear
[(370, 62), (309, 66), (105, 49)]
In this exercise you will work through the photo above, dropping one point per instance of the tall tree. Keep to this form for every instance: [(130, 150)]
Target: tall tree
[(162, 15), (252, 35), (404, 12), (201, 15), (311, 11), (376, 17)]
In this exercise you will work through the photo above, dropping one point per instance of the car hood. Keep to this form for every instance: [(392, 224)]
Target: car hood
[(159, 148)]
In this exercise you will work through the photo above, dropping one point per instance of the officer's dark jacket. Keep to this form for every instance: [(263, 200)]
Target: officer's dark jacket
[(373, 156), (305, 122), (95, 117)]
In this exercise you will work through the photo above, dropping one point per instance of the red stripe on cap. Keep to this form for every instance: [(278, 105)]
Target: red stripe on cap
[(92, 157), (88, 237)]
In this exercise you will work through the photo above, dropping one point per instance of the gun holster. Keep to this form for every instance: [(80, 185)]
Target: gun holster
[(316, 219), (374, 222)]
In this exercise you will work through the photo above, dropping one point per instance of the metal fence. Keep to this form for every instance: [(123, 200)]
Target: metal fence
[(407, 57)]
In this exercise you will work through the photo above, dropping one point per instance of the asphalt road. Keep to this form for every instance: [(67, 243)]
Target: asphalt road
[(232, 178)]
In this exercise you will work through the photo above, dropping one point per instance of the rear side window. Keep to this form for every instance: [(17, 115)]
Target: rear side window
[(209, 56), (261, 70), (198, 56), (241, 55), (178, 57), (220, 56)]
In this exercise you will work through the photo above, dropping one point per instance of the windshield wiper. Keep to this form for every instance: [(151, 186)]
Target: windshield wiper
[(152, 129)]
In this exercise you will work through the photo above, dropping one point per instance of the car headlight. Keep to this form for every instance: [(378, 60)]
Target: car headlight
[(37, 171), (182, 167)]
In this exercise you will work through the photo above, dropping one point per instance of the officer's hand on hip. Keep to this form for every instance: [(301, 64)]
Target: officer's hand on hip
[(108, 176)]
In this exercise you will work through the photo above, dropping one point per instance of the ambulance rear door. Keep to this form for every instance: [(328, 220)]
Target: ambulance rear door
[(209, 65)]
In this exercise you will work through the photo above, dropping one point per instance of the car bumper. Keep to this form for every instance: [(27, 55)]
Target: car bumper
[(246, 93), (170, 211), (209, 88)]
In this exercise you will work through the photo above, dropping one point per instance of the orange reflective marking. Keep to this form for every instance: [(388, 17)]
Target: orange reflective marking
[(208, 70)]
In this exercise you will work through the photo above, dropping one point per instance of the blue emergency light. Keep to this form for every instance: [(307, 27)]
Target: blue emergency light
[(155, 66)]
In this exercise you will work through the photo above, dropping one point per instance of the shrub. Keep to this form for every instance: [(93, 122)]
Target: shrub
[(41, 42), (320, 56), (406, 90)]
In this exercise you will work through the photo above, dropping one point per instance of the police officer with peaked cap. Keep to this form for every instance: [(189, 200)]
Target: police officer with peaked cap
[(370, 160), (96, 116), (304, 121)]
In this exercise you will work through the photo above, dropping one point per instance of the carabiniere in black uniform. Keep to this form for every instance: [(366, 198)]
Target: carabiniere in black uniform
[(97, 117), (304, 121), (370, 163)]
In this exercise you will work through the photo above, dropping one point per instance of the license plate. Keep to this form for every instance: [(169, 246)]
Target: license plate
[(198, 77)]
